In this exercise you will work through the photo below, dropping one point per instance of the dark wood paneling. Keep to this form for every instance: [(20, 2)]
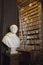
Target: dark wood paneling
[(8, 16)]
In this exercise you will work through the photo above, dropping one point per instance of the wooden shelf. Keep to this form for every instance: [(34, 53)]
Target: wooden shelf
[(25, 50), (33, 44), (30, 23)]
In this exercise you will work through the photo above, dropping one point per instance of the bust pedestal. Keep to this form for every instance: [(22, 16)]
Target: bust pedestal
[(9, 59), (12, 59)]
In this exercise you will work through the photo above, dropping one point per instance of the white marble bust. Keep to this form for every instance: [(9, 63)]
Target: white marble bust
[(11, 39)]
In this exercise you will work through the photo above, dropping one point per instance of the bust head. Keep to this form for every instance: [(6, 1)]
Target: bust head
[(13, 28)]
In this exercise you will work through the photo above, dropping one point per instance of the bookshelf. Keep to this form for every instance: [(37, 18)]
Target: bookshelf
[(30, 25)]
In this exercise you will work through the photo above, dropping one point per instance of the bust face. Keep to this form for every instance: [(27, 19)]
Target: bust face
[(13, 28)]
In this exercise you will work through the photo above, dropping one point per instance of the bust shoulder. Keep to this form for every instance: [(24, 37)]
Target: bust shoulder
[(8, 34)]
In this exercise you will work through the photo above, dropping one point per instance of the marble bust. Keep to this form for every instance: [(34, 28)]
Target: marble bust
[(11, 39)]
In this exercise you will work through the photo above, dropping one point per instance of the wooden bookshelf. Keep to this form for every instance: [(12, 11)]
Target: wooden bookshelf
[(30, 25)]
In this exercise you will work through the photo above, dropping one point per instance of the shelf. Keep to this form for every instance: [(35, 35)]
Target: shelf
[(25, 50), (30, 23), (28, 9), (33, 44)]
